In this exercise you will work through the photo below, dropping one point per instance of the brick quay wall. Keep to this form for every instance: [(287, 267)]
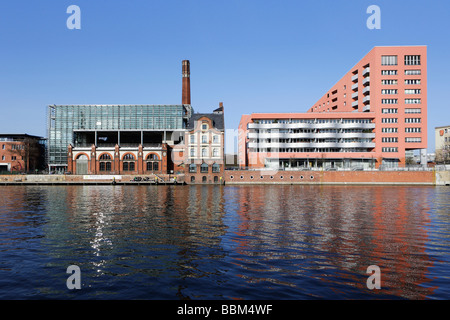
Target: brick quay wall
[(330, 177)]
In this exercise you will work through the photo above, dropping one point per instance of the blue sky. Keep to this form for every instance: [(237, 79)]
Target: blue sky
[(254, 56)]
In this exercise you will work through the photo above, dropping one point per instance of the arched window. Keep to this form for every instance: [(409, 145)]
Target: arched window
[(192, 179), (204, 168), (192, 168), (128, 156), (128, 162), (152, 162), (82, 157), (152, 157), (215, 168), (204, 179), (216, 178), (105, 156), (105, 162), (215, 152), (204, 153)]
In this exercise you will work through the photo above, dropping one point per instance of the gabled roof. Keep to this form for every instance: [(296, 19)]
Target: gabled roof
[(217, 120)]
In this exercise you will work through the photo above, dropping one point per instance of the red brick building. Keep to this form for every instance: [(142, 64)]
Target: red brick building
[(21, 153)]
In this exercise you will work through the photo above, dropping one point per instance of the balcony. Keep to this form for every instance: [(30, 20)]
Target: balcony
[(366, 108), (311, 144), (366, 71), (355, 103), (355, 86), (355, 78), (366, 90), (366, 80), (355, 95), (310, 135), (366, 99)]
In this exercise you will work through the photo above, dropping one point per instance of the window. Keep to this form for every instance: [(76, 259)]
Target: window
[(389, 101), (128, 156), (215, 139), (192, 168), (413, 101), (412, 72), (3, 157), (389, 120), (389, 139), (105, 161), (204, 153), (128, 166), (155, 166), (13, 157), (204, 179), (389, 91), (389, 149), (192, 138), (388, 60), (388, 72), (3, 146), (204, 168), (390, 110), (413, 110), (389, 82), (412, 60), (105, 166), (412, 81), (413, 120), (415, 130), (412, 91), (128, 162), (413, 140), (389, 130), (204, 126), (192, 152), (204, 139), (215, 168), (215, 152)]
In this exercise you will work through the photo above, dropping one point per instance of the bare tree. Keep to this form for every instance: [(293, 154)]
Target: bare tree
[(443, 156), (31, 152)]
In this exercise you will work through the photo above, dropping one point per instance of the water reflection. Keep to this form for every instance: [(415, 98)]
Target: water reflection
[(233, 242)]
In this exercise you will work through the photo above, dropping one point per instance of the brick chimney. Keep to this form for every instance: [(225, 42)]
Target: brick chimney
[(186, 93)]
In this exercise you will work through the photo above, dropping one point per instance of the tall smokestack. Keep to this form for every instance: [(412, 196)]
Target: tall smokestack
[(186, 94)]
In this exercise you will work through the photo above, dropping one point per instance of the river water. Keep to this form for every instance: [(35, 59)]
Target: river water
[(225, 242)]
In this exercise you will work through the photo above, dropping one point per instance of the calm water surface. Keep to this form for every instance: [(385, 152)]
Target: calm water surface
[(232, 242)]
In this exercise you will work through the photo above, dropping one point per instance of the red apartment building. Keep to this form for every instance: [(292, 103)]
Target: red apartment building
[(370, 118)]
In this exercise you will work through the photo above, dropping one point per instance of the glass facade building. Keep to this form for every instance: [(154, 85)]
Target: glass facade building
[(82, 125)]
